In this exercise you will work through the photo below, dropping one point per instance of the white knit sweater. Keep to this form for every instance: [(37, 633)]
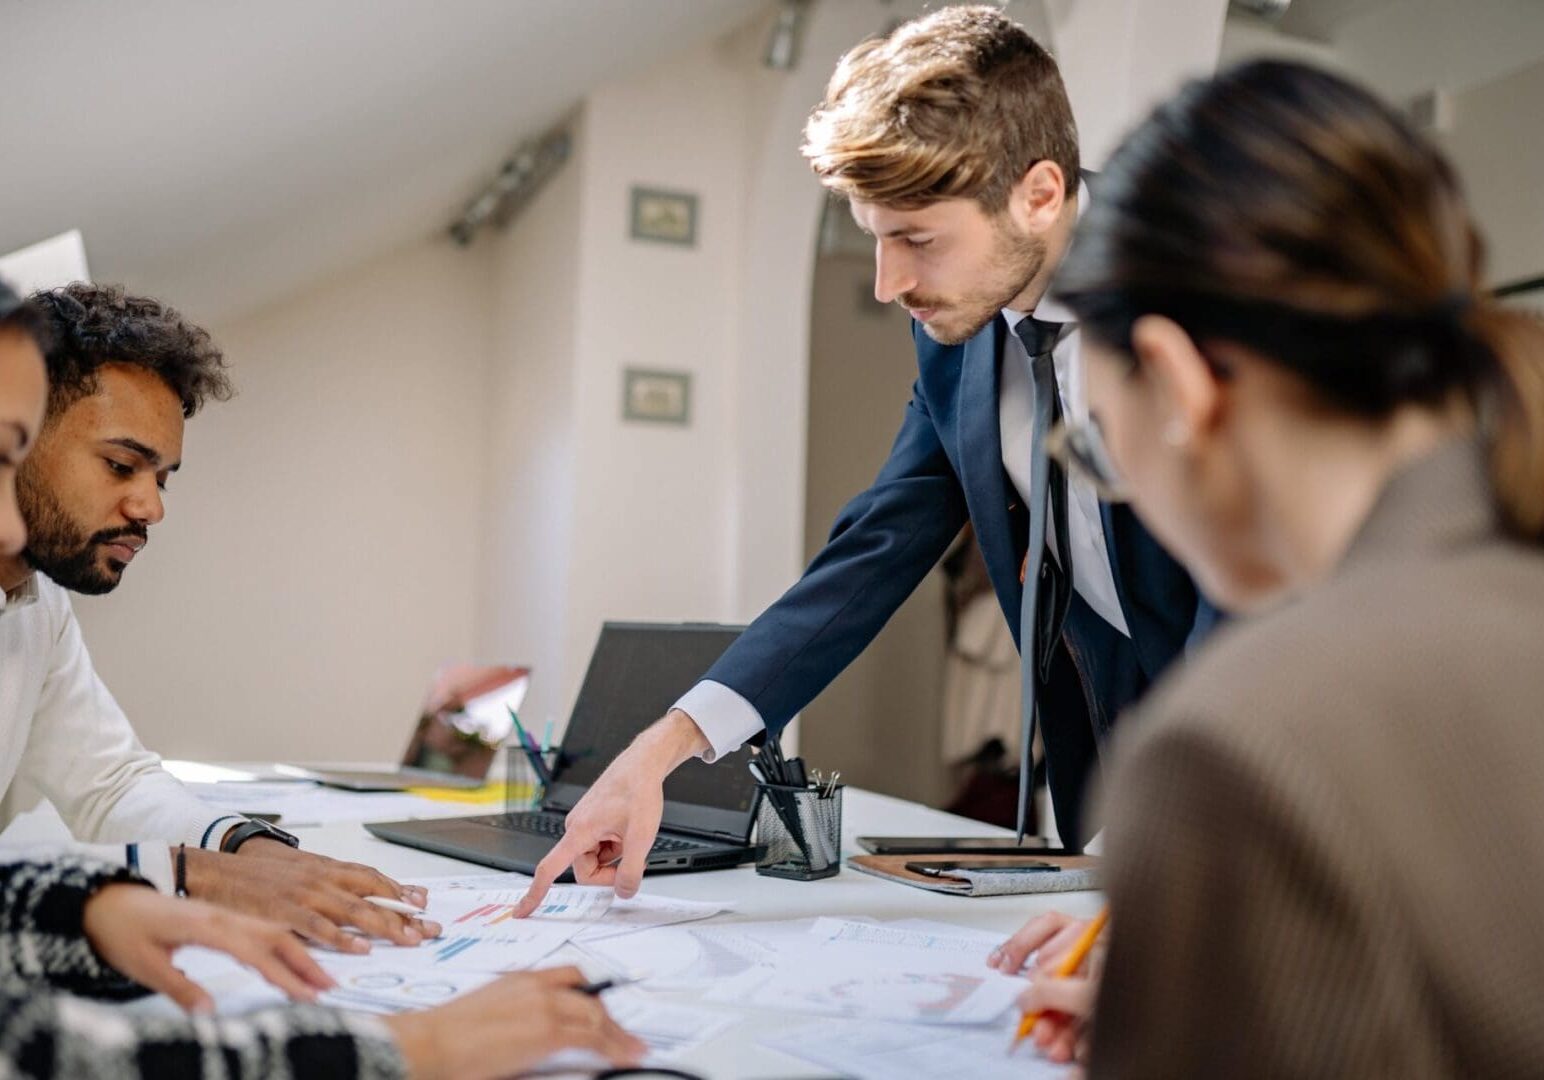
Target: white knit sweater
[(64, 738)]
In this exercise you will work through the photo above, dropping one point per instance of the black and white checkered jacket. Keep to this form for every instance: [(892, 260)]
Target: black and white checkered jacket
[(48, 1033)]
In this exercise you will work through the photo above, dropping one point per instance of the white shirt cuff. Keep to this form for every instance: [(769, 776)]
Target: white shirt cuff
[(211, 834), (725, 718)]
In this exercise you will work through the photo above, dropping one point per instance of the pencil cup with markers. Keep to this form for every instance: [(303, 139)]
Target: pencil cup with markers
[(800, 831), (531, 765), (524, 785), (799, 818)]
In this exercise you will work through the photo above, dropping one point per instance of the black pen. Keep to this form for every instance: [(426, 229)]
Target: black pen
[(595, 989)]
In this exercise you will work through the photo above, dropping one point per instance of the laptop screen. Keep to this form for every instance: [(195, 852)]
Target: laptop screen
[(636, 673), (464, 718)]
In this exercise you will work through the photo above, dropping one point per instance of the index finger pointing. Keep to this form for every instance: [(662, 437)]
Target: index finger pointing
[(547, 871)]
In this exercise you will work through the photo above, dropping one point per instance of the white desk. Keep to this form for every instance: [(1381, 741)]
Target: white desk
[(737, 1053)]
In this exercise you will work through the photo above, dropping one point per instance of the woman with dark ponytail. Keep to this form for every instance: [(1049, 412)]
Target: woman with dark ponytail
[(1324, 836)]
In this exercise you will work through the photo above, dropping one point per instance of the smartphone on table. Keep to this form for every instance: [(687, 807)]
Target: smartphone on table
[(949, 867)]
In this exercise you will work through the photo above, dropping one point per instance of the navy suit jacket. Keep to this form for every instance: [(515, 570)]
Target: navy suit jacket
[(946, 467)]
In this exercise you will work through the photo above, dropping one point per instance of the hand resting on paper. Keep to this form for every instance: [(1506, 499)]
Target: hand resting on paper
[(509, 1026), (135, 930), (313, 895)]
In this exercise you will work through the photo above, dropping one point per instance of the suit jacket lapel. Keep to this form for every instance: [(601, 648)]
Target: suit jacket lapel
[(987, 492), (1115, 543)]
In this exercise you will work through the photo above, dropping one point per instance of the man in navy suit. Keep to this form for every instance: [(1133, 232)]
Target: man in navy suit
[(954, 142)]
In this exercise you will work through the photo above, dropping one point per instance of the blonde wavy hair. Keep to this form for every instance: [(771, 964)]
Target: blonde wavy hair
[(955, 104)]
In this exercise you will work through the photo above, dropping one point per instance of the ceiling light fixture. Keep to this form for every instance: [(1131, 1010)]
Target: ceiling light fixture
[(522, 175), (1270, 9), (783, 42)]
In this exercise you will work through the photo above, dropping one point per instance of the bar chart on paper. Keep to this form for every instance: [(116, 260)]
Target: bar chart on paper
[(482, 933), (513, 946), (490, 915), (450, 949), (492, 907)]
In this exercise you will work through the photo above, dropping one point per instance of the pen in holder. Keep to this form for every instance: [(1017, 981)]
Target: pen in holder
[(531, 765), (800, 831), (525, 783)]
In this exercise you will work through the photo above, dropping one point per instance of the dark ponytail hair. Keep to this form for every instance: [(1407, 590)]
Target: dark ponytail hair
[(1287, 210)]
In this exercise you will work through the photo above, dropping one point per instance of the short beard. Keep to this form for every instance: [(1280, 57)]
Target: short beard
[(61, 549), (1016, 261)]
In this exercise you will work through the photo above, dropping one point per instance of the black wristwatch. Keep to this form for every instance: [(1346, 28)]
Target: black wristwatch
[(253, 827)]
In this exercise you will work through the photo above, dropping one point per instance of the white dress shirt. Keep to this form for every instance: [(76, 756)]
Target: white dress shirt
[(727, 719), (1092, 576), (64, 738)]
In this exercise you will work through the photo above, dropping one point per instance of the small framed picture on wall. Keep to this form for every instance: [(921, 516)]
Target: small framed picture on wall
[(657, 397), (665, 217)]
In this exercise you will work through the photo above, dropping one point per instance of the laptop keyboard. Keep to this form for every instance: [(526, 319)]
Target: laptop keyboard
[(552, 825)]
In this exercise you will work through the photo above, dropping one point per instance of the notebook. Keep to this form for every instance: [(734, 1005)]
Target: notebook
[(1073, 873)]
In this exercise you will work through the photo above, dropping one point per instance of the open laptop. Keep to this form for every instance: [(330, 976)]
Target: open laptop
[(636, 673), (464, 719)]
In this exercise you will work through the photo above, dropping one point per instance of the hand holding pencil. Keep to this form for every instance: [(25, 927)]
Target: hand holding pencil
[(1063, 993)]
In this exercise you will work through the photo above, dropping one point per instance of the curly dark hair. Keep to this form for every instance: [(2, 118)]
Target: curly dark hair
[(95, 325)]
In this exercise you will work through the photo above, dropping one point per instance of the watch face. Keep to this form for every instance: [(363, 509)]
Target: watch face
[(278, 833), (256, 827)]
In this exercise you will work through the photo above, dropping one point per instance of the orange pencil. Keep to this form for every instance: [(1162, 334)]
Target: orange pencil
[(1069, 965)]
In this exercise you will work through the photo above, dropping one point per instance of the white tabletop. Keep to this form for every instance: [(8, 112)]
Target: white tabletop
[(737, 1052)]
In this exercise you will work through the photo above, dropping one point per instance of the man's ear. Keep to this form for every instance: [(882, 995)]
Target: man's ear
[(1189, 394), (1036, 200)]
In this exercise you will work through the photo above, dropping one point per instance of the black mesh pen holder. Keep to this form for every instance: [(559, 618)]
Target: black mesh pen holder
[(800, 832)]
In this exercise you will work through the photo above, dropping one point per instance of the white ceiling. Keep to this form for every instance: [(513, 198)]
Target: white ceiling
[(224, 153)]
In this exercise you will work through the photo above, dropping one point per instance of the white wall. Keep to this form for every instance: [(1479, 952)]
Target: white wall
[(427, 458), (1119, 58), (1495, 144), (1487, 57), (318, 554), (591, 517), (1249, 37), (1403, 49), (650, 538), (879, 721), (770, 386), (527, 518)]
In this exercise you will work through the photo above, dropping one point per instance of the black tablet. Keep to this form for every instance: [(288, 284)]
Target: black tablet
[(959, 845)]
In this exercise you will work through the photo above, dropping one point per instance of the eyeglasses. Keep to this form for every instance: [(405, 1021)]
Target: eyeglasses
[(1079, 448)]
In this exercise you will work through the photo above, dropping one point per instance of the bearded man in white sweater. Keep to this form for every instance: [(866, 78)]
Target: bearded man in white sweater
[(125, 373)]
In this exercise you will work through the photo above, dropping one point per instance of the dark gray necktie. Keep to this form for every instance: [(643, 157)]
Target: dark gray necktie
[(1047, 586)]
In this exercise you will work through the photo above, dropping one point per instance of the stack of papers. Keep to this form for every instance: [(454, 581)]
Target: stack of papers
[(481, 933), (900, 1000), (893, 1000), (875, 1051), (925, 1047), (481, 939), (878, 972), (296, 803), (924, 973)]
